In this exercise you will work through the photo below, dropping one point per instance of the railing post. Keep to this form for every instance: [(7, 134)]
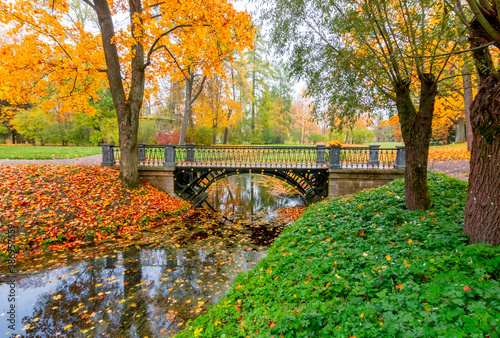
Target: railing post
[(169, 156), (142, 151), (335, 157), (108, 156), (374, 155), (190, 152), (400, 158), (320, 154)]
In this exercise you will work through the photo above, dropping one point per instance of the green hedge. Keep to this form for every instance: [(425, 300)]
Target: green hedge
[(364, 266)]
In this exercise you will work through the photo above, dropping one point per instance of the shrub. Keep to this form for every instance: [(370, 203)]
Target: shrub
[(147, 131), (167, 137), (201, 136), (316, 138)]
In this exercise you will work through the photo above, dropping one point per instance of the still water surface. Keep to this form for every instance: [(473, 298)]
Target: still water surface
[(149, 288)]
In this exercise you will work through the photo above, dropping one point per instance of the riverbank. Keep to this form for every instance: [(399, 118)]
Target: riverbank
[(364, 266), (60, 207)]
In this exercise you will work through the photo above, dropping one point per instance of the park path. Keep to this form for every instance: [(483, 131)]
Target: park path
[(87, 160), (457, 169)]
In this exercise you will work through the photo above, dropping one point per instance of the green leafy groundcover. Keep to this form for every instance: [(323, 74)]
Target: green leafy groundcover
[(364, 266)]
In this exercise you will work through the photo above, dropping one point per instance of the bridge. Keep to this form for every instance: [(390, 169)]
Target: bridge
[(316, 172)]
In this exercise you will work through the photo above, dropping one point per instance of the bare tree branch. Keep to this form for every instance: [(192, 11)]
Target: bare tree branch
[(199, 89)]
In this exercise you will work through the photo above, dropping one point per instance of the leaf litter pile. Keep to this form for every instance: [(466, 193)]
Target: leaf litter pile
[(456, 152), (65, 206)]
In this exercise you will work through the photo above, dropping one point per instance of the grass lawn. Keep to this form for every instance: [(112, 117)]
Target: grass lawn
[(390, 145), (365, 266), (28, 152)]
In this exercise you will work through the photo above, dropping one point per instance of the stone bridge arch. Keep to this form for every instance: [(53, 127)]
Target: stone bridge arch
[(192, 184)]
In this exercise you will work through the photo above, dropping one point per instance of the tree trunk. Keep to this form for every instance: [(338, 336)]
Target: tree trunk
[(187, 111), (467, 103), (252, 127), (190, 98), (459, 129), (416, 130), (226, 132), (127, 109), (482, 210)]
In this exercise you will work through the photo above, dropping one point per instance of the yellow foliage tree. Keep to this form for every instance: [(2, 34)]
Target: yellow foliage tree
[(58, 53)]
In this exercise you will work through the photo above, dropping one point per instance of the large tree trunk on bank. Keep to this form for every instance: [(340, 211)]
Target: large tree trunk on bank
[(127, 109), (416, 130), (128, 125), (482, 210)]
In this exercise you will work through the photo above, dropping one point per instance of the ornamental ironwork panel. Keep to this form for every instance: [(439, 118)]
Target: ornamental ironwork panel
[(319, 157)]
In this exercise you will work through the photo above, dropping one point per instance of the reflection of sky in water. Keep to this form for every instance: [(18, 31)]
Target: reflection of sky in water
[(141, 292), (123, 296), (241, 198)]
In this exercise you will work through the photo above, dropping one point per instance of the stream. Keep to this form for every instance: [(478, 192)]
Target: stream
[(152, 286)]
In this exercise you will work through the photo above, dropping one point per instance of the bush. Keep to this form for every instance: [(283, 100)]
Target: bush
[(365, 266), (147, 131), (316, 138), (360, 135), (168, 137), (201, 136), (31, 123), (109, 130), (256, 137)]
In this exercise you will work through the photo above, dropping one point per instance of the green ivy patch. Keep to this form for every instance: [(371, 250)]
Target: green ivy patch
[(364, 266)]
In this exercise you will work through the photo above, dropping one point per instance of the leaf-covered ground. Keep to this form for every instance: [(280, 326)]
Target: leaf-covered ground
[(52, 207), (364, 266), (452, 152)]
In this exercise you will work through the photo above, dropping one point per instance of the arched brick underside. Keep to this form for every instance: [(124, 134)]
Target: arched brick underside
[(191, 184)]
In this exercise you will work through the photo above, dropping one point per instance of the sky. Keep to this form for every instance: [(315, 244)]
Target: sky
[(250, 6)]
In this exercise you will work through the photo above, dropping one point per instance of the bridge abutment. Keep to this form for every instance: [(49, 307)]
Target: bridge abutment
[(348, 181), (160, 177)]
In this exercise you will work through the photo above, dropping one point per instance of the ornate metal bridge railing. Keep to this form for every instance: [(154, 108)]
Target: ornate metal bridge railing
[(319, 157)]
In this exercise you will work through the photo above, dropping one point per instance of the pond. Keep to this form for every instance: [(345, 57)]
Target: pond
[(152, 286)]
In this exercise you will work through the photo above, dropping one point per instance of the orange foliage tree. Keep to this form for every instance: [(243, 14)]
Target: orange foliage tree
[(59, 54)]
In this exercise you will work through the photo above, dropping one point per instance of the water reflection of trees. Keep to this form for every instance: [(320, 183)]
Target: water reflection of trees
[(240, 197), (143, 292)]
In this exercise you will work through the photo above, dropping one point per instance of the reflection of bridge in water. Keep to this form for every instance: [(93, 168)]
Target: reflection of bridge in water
[(316, 172)]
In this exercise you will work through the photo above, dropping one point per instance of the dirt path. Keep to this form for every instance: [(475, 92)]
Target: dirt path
[(457, 169)]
